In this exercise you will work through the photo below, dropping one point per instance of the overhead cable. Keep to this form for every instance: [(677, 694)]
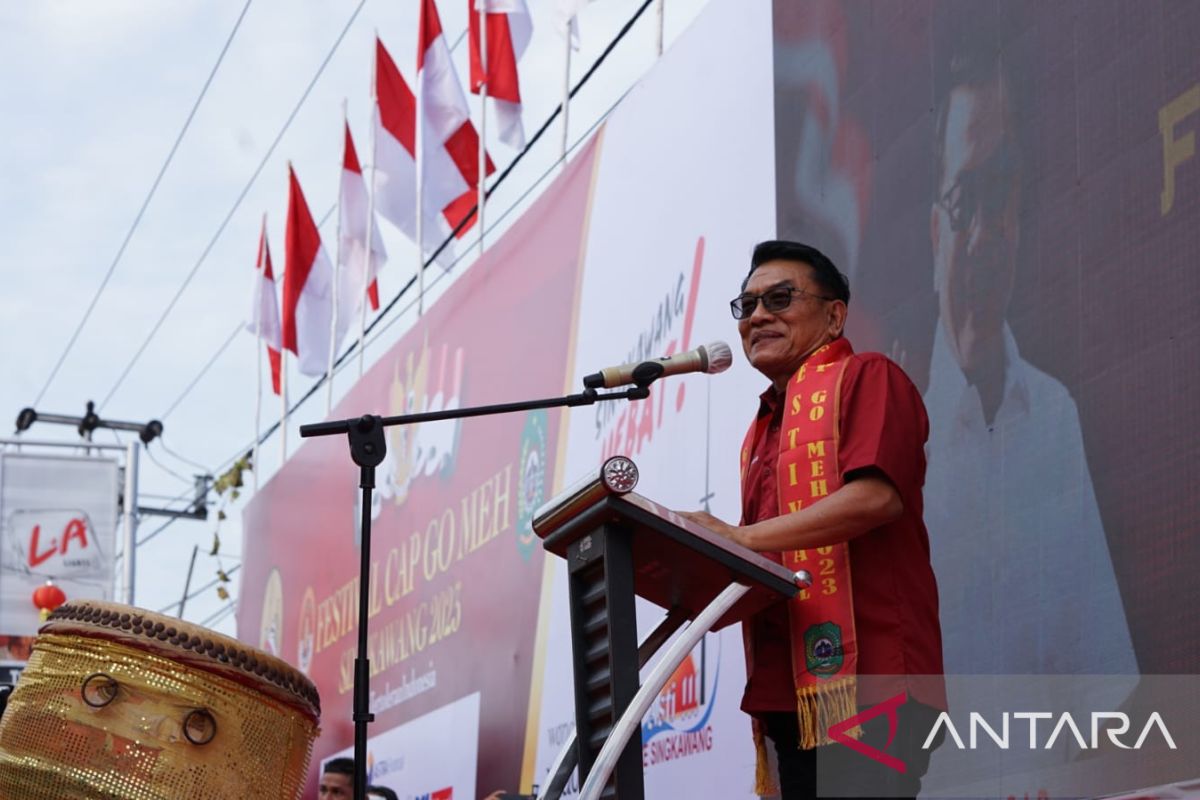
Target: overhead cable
[(203, 370), (141, 212), (236, 204), (383, 312), (197, 592)]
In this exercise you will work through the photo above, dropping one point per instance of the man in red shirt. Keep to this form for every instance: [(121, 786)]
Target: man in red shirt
[(832, 472)]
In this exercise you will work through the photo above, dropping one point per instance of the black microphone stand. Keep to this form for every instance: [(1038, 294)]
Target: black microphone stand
[(368, 447)]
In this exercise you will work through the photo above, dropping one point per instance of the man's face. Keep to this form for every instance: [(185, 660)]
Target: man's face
[(973, 222), (777, 343), (336, 787)]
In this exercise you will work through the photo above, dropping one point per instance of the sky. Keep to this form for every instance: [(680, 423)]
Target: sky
[(97, 93)]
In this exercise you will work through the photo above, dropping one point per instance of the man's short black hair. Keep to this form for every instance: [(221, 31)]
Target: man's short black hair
[(975, 62), (829, 278), (383, 791), (339, 766)]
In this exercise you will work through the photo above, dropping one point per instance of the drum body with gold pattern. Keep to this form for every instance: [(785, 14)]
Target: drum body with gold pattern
[(119, 703)]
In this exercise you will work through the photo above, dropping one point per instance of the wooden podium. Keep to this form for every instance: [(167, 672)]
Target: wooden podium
[(617, 545)]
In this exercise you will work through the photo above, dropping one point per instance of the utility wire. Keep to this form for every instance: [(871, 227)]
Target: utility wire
[(236, 204), (219, 614), (201, 590), (246, 450), (213, 360), (163, 444), (190, 493), (221, 350), (495, 224), (243, 452), (166, 469), (471, 213), (141, 212), (383, 312), (203, 371), (324, 218)]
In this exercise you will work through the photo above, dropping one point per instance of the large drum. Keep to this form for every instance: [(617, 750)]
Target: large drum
[(124, 704)]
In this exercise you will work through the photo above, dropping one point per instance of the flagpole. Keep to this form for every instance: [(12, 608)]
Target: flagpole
[(419, 146), (260, 271), (283, 396), (659, 35), (258, 344), (566, 92), (483, 91), (367, 267), (337, 268)]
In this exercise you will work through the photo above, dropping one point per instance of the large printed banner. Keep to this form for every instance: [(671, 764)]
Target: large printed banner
[(1012, 189), (683, 189), (456, 571)]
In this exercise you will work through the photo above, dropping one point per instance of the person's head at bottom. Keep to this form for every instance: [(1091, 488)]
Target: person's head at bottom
[(382, 792), (337, 780)]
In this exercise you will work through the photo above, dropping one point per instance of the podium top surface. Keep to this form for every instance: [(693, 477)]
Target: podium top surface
[(677, 563)]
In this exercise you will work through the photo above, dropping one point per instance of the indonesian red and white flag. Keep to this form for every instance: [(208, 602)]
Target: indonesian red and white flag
[(307, 286), (450, 143), (264, 312), (509, 29), (395, 172), (357, 268)]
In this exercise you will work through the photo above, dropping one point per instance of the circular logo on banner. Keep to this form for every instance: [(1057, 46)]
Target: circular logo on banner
[(307, 632), (531, 489), (270, 631), (823, 649)]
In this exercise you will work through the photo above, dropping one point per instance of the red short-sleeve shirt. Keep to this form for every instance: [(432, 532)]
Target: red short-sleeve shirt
[(883, 426)]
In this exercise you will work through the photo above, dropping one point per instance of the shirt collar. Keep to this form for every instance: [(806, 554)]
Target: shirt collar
[(840, 347), (948, 384), (769, 401)]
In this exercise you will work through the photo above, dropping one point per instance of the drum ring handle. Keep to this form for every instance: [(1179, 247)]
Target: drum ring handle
[(206, 726), (99, 689)]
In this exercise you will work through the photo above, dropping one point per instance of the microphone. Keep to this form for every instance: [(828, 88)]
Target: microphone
[(712, 358)]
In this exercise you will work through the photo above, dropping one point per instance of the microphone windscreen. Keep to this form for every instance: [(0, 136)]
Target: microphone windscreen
[(720, 357)]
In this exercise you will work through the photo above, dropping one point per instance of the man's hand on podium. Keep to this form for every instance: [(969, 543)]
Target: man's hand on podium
[(707, 520)]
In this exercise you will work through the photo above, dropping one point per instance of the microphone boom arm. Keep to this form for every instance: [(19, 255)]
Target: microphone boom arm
[(368, 448), (585, 398)]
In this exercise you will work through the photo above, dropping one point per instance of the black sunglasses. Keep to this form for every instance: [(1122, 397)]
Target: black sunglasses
[(985, 189), (775, 299)]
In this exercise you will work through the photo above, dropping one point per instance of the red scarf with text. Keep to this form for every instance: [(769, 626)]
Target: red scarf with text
[(823, 642)]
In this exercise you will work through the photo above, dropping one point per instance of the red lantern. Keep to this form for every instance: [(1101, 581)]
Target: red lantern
[(47, 598)]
